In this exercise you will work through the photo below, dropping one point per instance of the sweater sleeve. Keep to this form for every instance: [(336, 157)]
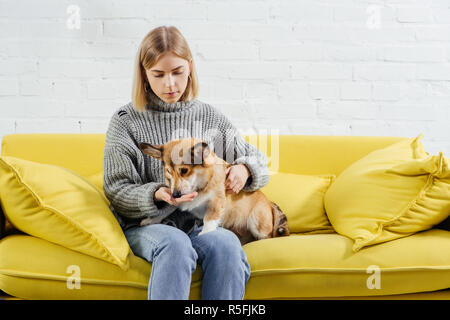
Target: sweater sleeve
[(239, 151), (129, 196)]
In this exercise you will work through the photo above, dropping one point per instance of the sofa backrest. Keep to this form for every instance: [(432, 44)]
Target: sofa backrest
[(301, 154), (309, 154), (82, 153)]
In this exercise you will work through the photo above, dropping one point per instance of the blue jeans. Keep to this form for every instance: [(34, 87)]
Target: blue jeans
[(174, 256)]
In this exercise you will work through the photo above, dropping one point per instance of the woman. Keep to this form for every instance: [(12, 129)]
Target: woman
[(164, 107)]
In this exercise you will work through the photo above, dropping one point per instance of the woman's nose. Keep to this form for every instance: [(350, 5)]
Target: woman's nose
[(170, 81)]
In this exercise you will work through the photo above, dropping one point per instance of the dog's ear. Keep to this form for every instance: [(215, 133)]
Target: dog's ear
[(199, 152), (155, 151)]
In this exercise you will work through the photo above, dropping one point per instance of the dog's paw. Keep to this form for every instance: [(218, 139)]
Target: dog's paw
[(208, 227), (206, 230)]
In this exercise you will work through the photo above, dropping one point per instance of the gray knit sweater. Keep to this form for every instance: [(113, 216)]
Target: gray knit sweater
[(131, 178)]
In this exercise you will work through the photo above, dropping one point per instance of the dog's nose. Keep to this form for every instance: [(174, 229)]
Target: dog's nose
[(176, 194)]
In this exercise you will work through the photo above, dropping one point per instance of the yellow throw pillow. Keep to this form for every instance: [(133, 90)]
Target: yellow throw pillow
[(300, 197), (390, 193), (60, 206)]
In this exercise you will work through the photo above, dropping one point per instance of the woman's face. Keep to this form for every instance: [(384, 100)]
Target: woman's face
[(168, 78)]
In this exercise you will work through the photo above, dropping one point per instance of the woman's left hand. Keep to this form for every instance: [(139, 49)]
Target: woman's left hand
[(237, 176)]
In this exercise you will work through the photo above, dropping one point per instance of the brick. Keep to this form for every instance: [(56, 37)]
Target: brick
[(237, 11), (227, 51), (414, 14), (324, 91), (387, 92), (292, 52), (433, 72), (356, 91), (384, 71), (135, 28), (322, 71), (412, 53), (347, 110), (9, 87)]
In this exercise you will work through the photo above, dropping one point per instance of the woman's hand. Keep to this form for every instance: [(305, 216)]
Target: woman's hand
[(237, 176), (164, 194)]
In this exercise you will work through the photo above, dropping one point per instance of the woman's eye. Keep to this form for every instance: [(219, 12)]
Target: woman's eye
[(183, 171), (160, 76)]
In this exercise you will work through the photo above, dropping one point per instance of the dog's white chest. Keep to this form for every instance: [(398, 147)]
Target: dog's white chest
[(199, 205)]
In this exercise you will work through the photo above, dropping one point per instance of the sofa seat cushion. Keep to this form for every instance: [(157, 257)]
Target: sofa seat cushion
[(53, 273), (324, 265), (298, 266)]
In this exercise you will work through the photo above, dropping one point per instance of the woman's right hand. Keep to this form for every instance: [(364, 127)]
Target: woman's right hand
[(164, 194)]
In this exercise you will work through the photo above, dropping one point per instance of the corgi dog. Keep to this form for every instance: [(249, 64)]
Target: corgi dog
[(191, 166)]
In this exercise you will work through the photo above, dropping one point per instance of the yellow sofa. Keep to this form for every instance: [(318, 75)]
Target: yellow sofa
[(301, 266)]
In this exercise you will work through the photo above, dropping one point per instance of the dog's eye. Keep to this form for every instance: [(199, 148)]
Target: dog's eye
[(183, 171)]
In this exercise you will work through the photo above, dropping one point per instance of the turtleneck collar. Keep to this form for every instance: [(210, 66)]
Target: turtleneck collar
[(156, 103)]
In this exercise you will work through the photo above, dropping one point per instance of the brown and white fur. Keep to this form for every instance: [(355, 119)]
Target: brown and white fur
[(190, 165)]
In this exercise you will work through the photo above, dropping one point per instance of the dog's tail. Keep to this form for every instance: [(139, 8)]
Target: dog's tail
[(280, 226)]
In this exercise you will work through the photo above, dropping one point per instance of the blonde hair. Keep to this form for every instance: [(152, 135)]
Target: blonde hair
[(157, 42)]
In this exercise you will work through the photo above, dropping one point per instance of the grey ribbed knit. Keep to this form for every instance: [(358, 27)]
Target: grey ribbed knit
[(130, 177)]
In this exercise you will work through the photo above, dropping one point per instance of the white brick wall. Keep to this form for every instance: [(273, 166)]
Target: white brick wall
[(315, 67)]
